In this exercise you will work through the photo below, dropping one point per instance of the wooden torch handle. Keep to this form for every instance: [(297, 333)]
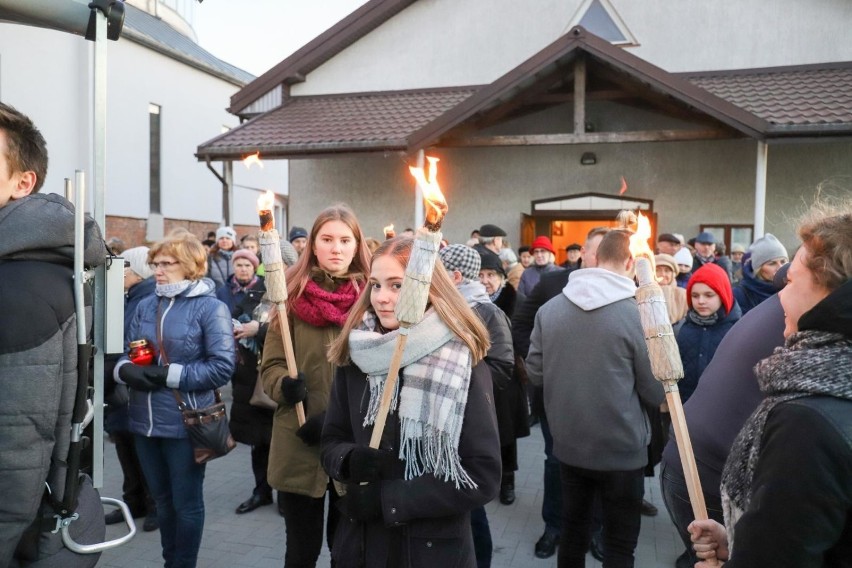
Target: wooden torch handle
[(390, 387), (290, 355)]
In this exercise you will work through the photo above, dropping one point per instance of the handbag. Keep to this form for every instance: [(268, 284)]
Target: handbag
[(260, 399), (207, 428)]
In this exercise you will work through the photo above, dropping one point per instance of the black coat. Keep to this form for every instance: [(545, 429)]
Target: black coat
[(425, 520)]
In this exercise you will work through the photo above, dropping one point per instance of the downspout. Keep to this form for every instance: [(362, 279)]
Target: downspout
[(760, 189), (227, 182)]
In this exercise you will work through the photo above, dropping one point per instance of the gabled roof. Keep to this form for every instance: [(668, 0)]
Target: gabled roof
[(154, 33), (344, 33)]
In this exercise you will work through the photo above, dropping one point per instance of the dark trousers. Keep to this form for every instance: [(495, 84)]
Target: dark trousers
[(259, 464), (621, 499), (303, 520), (134, 488), (676, 499), (482, 544), (177, 484), (551, 504)]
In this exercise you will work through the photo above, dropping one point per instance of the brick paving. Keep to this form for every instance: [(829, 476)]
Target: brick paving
[(256, 539)]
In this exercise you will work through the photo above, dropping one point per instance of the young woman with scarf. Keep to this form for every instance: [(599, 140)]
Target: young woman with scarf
[(408, 503), (322, 287), (786, 490)]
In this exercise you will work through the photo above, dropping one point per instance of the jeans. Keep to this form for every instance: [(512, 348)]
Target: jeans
[(551, 504), (621, 499), (303, 518), (177, 484), (676, 499), (482, 544)]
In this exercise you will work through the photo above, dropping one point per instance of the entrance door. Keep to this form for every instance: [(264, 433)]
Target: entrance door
[(564, 233)]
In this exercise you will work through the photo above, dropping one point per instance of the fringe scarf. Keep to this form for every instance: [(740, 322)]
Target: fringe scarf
[(436, 368), (322, 308), (811, 363)]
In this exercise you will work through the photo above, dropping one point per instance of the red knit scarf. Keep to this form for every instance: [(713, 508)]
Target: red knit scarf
[(321, 308)]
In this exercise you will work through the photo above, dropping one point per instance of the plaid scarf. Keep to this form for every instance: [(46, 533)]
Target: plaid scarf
[(436, 369), (810, 363)]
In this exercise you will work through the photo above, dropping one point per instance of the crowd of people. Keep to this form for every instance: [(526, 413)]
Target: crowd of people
[(509, 339)]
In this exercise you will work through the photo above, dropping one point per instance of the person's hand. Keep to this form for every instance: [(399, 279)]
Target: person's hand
[(311, 431), (710, 542), (247, 330), (364, 502), (368, 464), (157, 374), (294, 391), (134, 376)]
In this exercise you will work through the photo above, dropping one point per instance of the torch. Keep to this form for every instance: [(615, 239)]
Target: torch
[(276, 282), (663, 351), (414, 293), (389, 232)]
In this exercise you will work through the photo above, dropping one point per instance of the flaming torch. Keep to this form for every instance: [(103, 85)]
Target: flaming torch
[(276, 283), (389, 232), (414, 293), (662, 349)]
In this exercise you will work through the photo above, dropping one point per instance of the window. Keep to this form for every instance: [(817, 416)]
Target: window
[(154, 158), (601, 19), (730, 234)]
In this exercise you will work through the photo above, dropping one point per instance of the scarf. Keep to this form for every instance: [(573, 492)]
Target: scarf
[(172, 289), (321, 308), (810, 363), (237, 287), (703, 321), (436, 369), (473, 293)]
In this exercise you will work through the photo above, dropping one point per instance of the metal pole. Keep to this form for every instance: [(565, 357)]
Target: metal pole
[(99, 213), (760, 189), (418, 195), (228, 188)]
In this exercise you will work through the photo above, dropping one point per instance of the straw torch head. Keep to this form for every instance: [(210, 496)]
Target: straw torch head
[(265, 205), (436, 206), (640, 249)]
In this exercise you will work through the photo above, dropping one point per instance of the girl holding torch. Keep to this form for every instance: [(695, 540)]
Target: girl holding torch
[(439, 457), (321, 288)]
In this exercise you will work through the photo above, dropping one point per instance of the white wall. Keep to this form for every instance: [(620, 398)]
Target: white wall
[(435, 43)]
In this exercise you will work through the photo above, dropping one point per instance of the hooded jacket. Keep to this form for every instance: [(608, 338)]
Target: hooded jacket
[(588, 351), (38, 352), (751, 290)]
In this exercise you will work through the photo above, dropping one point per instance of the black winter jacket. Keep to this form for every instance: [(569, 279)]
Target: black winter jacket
[(697, 345)]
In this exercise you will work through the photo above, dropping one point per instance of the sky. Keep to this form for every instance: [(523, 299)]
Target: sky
[(255, 35)]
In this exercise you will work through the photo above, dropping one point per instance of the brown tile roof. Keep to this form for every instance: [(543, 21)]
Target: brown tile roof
[(332, 123), (791, 99)]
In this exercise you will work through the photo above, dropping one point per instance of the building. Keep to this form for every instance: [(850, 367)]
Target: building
[(718, 116), (164, 92)]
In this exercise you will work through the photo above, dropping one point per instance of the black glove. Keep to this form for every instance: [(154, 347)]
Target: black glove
[(134, 376), (157, 374), (294, 391), (311, 431), (368, 464), (364, 502)]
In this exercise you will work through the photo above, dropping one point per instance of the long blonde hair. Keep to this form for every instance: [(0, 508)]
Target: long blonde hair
[(448, 303)]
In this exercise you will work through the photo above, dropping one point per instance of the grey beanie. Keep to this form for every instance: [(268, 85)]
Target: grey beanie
[(766, 248), (461, 258), (137, 257)]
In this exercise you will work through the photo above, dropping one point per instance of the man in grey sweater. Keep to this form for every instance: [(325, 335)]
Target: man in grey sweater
[(595, 402)]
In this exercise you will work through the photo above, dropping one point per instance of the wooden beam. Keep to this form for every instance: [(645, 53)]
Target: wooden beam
[(589, 138), (580, 95)]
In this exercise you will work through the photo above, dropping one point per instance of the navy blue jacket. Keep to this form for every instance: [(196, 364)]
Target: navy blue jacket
[(751, 290), (697, 345)]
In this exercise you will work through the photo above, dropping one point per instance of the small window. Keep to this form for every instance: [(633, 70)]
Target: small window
[(731, 234), (601, 19)]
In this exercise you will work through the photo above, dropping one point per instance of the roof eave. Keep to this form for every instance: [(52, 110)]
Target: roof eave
[(309, 150)]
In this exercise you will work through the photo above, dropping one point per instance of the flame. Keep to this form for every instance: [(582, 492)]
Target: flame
[(623, 186), (436, 205), (252, 159), (639, 240), (265, 201), (388, 229)]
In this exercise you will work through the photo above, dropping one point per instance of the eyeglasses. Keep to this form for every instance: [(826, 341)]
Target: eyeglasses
[(163, 264)]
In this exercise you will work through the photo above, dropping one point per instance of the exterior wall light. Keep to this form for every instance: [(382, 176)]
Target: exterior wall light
[(588, 159)]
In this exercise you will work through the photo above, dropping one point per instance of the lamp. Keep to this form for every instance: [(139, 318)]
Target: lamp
[(588, 159)]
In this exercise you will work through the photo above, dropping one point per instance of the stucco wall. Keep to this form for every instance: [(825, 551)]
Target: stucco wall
[(690, 182)]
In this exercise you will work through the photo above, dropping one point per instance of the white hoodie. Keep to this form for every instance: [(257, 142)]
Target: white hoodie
[(593, 288)]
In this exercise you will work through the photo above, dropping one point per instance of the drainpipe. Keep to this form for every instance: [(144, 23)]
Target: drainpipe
[(227, 181), (760, 189)]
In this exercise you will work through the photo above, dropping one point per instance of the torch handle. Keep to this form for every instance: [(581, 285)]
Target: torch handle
[(687, 460), (292, 370), (390, 387)]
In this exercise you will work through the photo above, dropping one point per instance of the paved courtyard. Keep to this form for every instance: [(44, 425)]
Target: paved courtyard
[(256, 539)]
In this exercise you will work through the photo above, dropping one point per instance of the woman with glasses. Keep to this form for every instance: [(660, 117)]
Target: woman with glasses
[(190, 330)]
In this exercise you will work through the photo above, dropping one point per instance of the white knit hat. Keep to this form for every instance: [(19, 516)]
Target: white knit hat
[(137, 257), (764, 249), (226, 232), (683, 256)]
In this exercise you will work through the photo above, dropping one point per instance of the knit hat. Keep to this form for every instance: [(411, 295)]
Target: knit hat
[(764, 249), (667, 260), (491, 231), (542, 242), (573, 246), (226, 232), (246, 254), (137, 257), (716, 278), (683, 256), (461, 258), (490, 261), (297, 233), (737, 247)]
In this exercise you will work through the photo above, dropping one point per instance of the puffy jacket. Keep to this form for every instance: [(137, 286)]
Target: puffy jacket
[(199, 342), (697, 345), (751, 290)]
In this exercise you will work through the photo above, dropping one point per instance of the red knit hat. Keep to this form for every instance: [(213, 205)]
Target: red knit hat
[(542, 242), (717, 279)]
